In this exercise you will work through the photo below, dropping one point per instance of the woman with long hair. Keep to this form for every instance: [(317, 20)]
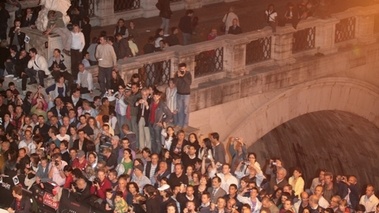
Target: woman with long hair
[(178, 144), (95, 137), (73, 135), (134, 198), (169, 135), (126, 165)]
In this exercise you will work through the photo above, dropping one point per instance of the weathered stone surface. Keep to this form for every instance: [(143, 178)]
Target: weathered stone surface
[(340, 142)]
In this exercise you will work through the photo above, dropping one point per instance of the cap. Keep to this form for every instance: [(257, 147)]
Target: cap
[(164, 187), (80, 154), (139, 167)]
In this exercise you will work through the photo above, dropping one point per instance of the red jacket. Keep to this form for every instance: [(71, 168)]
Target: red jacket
[(106, 184)]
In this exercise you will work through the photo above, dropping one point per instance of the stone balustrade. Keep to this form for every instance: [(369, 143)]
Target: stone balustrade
[(271, 49)]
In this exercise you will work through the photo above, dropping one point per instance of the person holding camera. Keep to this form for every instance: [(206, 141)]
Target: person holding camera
[(183, 80), (56, 173), (16, 36), (101, 184), (81, 189)]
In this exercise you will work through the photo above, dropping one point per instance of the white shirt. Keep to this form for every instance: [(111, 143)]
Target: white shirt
[(78, 41), (369, 202), (225, 183), (323, 202), (247, 200), (56, 174), (85, 80), (65, 137), (31, 146)]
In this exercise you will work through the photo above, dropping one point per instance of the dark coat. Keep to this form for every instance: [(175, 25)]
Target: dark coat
[(153, 204), (20, 37), (164, 8), (25, 206)]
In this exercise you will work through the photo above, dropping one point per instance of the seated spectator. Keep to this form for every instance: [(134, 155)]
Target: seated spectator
[(85, 60), (133, 46), (37, 65), (58, 68), (85, 81)]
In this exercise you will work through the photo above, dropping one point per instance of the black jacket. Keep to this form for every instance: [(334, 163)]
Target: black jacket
[(185, 24), (20, 37), (164, 8), (25, 205)]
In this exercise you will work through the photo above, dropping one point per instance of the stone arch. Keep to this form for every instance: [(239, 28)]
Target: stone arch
[(332, 93)]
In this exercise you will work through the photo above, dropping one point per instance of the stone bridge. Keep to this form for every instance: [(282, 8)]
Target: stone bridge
[(309, 96)]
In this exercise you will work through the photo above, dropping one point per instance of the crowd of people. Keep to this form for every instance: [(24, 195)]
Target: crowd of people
[(130, 147)]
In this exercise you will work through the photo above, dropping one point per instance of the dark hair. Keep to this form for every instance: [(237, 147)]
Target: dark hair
[(218, 178), (33, 50), (215, 135), (182, 65), (189, 12)]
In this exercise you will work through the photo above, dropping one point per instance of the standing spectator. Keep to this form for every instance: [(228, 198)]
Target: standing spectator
[(271, 15), (16, 36), (29, 19), (4, 56), (235, 29), (218, 149), (92, 50), (165, 13), (4, 16), (106, 56), (143, 106), (77, 45), (183, 80), (121, 47), (159, 114), (171, 96), (185, 25), (369, 200), (37, 65), (291, 15), (297, 182), (86, 30), (228, 19)]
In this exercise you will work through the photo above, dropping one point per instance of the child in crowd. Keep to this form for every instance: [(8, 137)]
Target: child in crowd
[(120, 204), (109, 204)]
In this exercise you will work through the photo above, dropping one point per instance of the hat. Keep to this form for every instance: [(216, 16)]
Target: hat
[(164, 187), (80, 154), (139, 167)]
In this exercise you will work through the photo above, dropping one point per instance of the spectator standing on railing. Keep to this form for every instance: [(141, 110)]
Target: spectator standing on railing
[(228, 19), (185, 25), (183, 80), (107, 59), (165, 13), (271, 15)]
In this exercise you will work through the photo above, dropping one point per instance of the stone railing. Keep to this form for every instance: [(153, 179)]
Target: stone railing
[(232, 56)]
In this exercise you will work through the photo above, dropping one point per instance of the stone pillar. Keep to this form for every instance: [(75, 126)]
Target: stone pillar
[(104, 9), (235, 56), (149, 9), (282, 46), (364, 29), (325, 35)]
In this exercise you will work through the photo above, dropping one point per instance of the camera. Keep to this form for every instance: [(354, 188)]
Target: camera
[(96, 181), (56, 163), (247, 163)]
